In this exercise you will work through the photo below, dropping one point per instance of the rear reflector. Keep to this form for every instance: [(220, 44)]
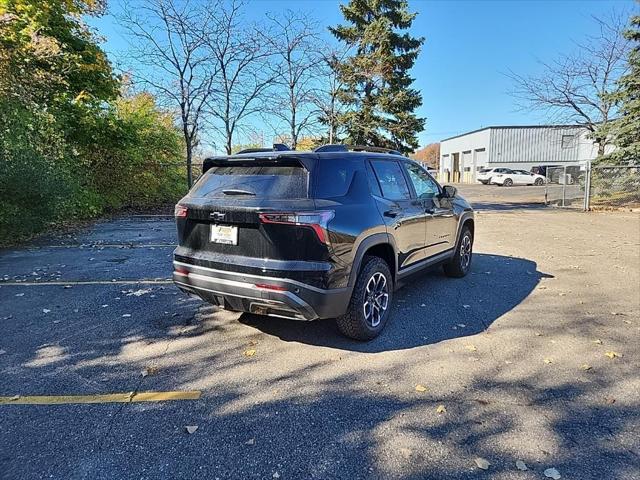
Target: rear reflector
[(181, 271), (266, 286), (180, 211)]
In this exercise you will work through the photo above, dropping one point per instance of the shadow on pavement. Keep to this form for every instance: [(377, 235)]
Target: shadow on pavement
[(507, 206), (431, 309)]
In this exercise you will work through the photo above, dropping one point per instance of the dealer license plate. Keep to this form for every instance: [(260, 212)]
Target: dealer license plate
[(225, 234)]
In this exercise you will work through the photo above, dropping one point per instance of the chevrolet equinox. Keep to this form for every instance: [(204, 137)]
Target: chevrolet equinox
[(323, 234)]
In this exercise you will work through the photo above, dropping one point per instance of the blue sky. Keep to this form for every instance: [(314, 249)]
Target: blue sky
[(469, 47)]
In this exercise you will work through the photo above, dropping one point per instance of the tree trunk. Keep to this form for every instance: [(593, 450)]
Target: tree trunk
[(189, 147), (189, 171)]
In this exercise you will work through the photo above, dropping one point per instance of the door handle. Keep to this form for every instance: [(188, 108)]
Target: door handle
[(392, 213), (429, 211)]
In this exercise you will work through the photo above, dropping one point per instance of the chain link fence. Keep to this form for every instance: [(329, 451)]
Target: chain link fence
[(613, 186), (593, 187), (566, 186)]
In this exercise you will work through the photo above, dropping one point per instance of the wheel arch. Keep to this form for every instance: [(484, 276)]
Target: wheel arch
[(378, 245)]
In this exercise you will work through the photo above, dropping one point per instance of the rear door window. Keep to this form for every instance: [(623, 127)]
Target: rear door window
[(391, 180), (243, 181)]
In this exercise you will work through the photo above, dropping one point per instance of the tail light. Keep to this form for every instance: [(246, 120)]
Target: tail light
[(318, 221), (180, 211)]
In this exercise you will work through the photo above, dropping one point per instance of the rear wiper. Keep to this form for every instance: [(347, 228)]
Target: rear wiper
[(237, 191)]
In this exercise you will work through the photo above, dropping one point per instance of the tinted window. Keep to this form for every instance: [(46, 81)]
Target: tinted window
[(391, 180), (273, 181), (424, 185), (333, 177)]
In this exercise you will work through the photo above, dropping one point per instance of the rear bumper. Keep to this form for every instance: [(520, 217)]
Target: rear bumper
[(263, 295)]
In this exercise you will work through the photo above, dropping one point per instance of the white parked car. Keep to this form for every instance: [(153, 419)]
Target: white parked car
[(516, 177), (486, 174)]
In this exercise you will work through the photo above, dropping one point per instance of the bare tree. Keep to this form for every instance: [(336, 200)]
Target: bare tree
[(326, 96), (578, 88), (294, 40), (241, 58), (169, 58)]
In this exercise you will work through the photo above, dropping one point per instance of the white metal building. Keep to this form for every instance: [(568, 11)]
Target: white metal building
[(518, 147)]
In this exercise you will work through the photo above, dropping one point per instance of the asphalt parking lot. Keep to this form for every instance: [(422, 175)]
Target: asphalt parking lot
[(532, 357)]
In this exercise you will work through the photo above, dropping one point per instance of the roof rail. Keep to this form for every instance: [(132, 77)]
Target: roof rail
[(277, 147), (355, 148)]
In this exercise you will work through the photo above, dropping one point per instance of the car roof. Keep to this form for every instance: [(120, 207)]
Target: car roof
[(306, 154)]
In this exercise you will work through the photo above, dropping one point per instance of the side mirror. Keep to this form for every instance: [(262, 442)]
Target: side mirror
[(449, 191)]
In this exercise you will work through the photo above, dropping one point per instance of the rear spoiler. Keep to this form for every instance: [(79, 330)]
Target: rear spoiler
[(246, 160)]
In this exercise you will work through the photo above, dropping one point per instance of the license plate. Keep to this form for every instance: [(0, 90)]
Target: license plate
[(225, 234)]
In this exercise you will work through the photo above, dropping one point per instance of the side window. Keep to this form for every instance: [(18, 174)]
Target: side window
[(334, 177), (424, 185), (391, 180)]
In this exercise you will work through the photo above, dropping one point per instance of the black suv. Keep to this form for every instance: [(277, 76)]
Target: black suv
[(323, 234)]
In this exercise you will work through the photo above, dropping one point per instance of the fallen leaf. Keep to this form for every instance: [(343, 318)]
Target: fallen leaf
[(586, 367), (520, 465), (538, 334), (276, 475), (45, 310), (421, 388), (253, 343), (139, 293), (613, 355), (441, 409), (191, 429), (617, 313), (19, 294), (548, 360), (126, 315), (14, 398), (598, 341), (471, 347), (251, 441), (610, 400), (2, 351), (461, 325), (552, 473), (249, 353), (466, 306), (482, 402), (482, 463)]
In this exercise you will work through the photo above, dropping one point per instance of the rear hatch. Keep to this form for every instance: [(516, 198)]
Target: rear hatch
[(254, 213)]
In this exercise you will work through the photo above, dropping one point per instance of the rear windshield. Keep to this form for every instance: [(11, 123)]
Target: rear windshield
[(239, 181)]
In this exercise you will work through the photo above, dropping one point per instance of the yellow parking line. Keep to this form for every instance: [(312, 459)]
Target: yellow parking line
[(102, 398), (87, 282)]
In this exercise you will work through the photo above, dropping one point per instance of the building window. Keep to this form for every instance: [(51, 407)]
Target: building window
[(567, 141)]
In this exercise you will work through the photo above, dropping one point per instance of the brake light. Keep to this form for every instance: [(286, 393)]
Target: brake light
[(318, 221), (180, 211), (266, 286)]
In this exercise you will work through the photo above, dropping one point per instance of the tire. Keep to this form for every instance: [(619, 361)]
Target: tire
[(460, 264), (354, 324), (538, 182), (507, 182)]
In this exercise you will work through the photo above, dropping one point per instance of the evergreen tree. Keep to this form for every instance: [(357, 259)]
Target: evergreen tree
[(625, 131), (376, 81)]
